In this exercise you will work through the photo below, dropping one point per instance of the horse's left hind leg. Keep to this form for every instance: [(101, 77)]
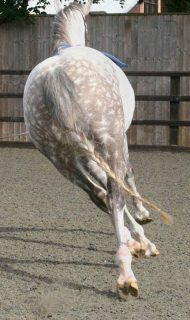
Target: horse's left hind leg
[(142, 215), (77, 174)]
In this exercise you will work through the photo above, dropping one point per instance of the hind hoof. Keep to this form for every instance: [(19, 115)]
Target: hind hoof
[(129, 287), (145, 220)]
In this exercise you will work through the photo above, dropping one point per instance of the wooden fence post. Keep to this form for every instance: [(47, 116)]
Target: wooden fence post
[(174, 108)]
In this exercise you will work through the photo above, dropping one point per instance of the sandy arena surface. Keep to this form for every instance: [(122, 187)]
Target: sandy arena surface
[(57, 249)]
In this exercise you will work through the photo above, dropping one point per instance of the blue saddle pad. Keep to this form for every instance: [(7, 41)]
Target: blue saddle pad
[(117, 61)]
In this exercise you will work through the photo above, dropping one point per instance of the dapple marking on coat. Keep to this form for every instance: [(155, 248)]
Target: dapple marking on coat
[(80, 90)]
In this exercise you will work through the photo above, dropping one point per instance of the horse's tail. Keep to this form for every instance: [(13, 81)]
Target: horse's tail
[(63, 104), (61, 100)]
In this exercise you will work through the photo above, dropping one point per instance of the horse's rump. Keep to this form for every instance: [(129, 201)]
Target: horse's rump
[(81, 97)]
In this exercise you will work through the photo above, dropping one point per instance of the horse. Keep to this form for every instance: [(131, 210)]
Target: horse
[(78, 105)]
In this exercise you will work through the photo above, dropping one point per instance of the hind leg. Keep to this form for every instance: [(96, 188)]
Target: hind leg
[(142, 215), (74, 169), (126, 283), (96, 180)]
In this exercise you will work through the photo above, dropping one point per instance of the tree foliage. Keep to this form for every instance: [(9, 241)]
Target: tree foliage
[(178, 5), (20, 10)]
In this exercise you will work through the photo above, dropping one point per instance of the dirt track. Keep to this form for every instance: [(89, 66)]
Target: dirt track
[(57, 248)]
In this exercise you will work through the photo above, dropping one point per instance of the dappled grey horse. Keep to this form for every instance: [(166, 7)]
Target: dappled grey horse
[(78, 103)]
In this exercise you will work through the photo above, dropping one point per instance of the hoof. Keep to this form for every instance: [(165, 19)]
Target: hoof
[(146, 252), (129, 287), (139, 254), (144, 220), (136, 249), (152, 254)]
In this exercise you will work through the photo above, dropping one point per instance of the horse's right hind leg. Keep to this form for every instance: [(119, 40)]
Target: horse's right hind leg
[(142, 215)]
